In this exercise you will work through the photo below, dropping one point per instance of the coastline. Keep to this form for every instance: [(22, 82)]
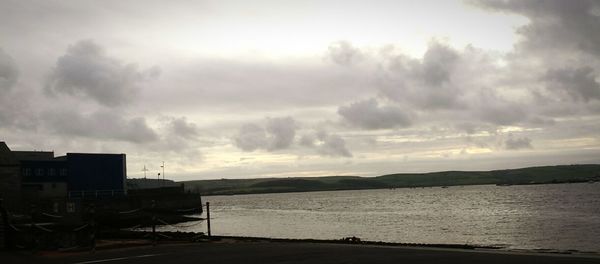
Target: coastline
[(186, 237), (401, 187), (226, 249)]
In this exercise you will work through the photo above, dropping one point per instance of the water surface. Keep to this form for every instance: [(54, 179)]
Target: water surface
[(559, 216)]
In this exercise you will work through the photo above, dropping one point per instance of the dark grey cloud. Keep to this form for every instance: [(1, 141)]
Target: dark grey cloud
[(99, 125), (182, 128), (559, 53), (580, 84), (467, 127), (513, 143), (86, 70), (426, 83), (554, 24), (282, 132), (9, 72), (278, 133), (493, 109), (438, 63), (343, 53), (334, 145), (180, 137), (368, 114), (16, 110), (232, 85), (251, 137), (307, 140), (560, 49), (326, 144)]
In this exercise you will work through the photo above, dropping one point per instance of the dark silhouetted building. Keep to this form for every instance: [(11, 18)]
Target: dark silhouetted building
[(38, 174), (10, 180), (104, 174)]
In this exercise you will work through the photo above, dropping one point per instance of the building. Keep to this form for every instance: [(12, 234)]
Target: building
[(10, 180), (39, 174), (96, 174), (42, 175)]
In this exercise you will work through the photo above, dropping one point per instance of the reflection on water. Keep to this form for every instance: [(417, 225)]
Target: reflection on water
[(561, 216)]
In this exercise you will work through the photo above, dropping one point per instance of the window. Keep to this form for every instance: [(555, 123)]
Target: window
[(39, 172), (52, 172), (63, 172), (71, 207), (26, 172)]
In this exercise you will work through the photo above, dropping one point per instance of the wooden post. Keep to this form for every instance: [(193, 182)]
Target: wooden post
[(4, 228), (153, 223), (93, 226), (33, 234), (208, 217)]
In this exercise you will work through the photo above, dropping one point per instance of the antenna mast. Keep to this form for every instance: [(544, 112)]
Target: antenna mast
[(144, 170)]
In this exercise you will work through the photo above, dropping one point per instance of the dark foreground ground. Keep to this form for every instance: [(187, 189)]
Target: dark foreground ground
[(285, 252)]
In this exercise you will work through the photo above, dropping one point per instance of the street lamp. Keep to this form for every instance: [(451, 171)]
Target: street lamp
[(163, 172)]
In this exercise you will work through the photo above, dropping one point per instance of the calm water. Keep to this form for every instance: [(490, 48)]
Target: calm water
[(562, 216)]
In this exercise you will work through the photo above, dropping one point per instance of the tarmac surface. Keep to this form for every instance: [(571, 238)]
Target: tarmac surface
[(285, 252)]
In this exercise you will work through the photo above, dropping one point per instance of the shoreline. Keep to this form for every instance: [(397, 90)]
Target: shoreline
[(402, 187), (411, 245), (230, 249), (194, 237)]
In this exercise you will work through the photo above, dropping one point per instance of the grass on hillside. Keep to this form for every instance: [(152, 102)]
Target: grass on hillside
[(531, 175)]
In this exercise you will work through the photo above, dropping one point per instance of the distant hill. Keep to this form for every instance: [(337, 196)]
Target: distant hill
[(531, 175)]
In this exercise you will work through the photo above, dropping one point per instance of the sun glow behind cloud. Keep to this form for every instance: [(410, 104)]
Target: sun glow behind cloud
[(273, 29)]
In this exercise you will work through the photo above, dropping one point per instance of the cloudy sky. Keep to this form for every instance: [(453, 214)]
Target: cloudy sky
[(271, 88)]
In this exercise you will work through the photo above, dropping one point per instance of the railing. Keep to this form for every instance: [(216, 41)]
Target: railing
[(96, 193), (44, 230)]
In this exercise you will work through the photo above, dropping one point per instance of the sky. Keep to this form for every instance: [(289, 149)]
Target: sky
[(271, 88)]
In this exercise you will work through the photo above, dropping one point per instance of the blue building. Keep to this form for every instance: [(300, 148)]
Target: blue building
[(96, 174)]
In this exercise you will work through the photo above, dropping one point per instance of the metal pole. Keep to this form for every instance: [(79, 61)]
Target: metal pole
[(208, 217), (144, 170), (163, 169)]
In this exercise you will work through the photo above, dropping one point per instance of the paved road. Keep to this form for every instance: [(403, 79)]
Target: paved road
[(280, 252)]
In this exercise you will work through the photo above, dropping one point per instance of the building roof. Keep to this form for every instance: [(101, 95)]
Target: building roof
[(34, 155), (7, 158)]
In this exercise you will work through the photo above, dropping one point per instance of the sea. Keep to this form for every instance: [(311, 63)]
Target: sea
[(561, 217)]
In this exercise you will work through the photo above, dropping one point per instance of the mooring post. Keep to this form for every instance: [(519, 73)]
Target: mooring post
[(208, 217), (93, 226), (33, 235), (5, 228), (153, 223)]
